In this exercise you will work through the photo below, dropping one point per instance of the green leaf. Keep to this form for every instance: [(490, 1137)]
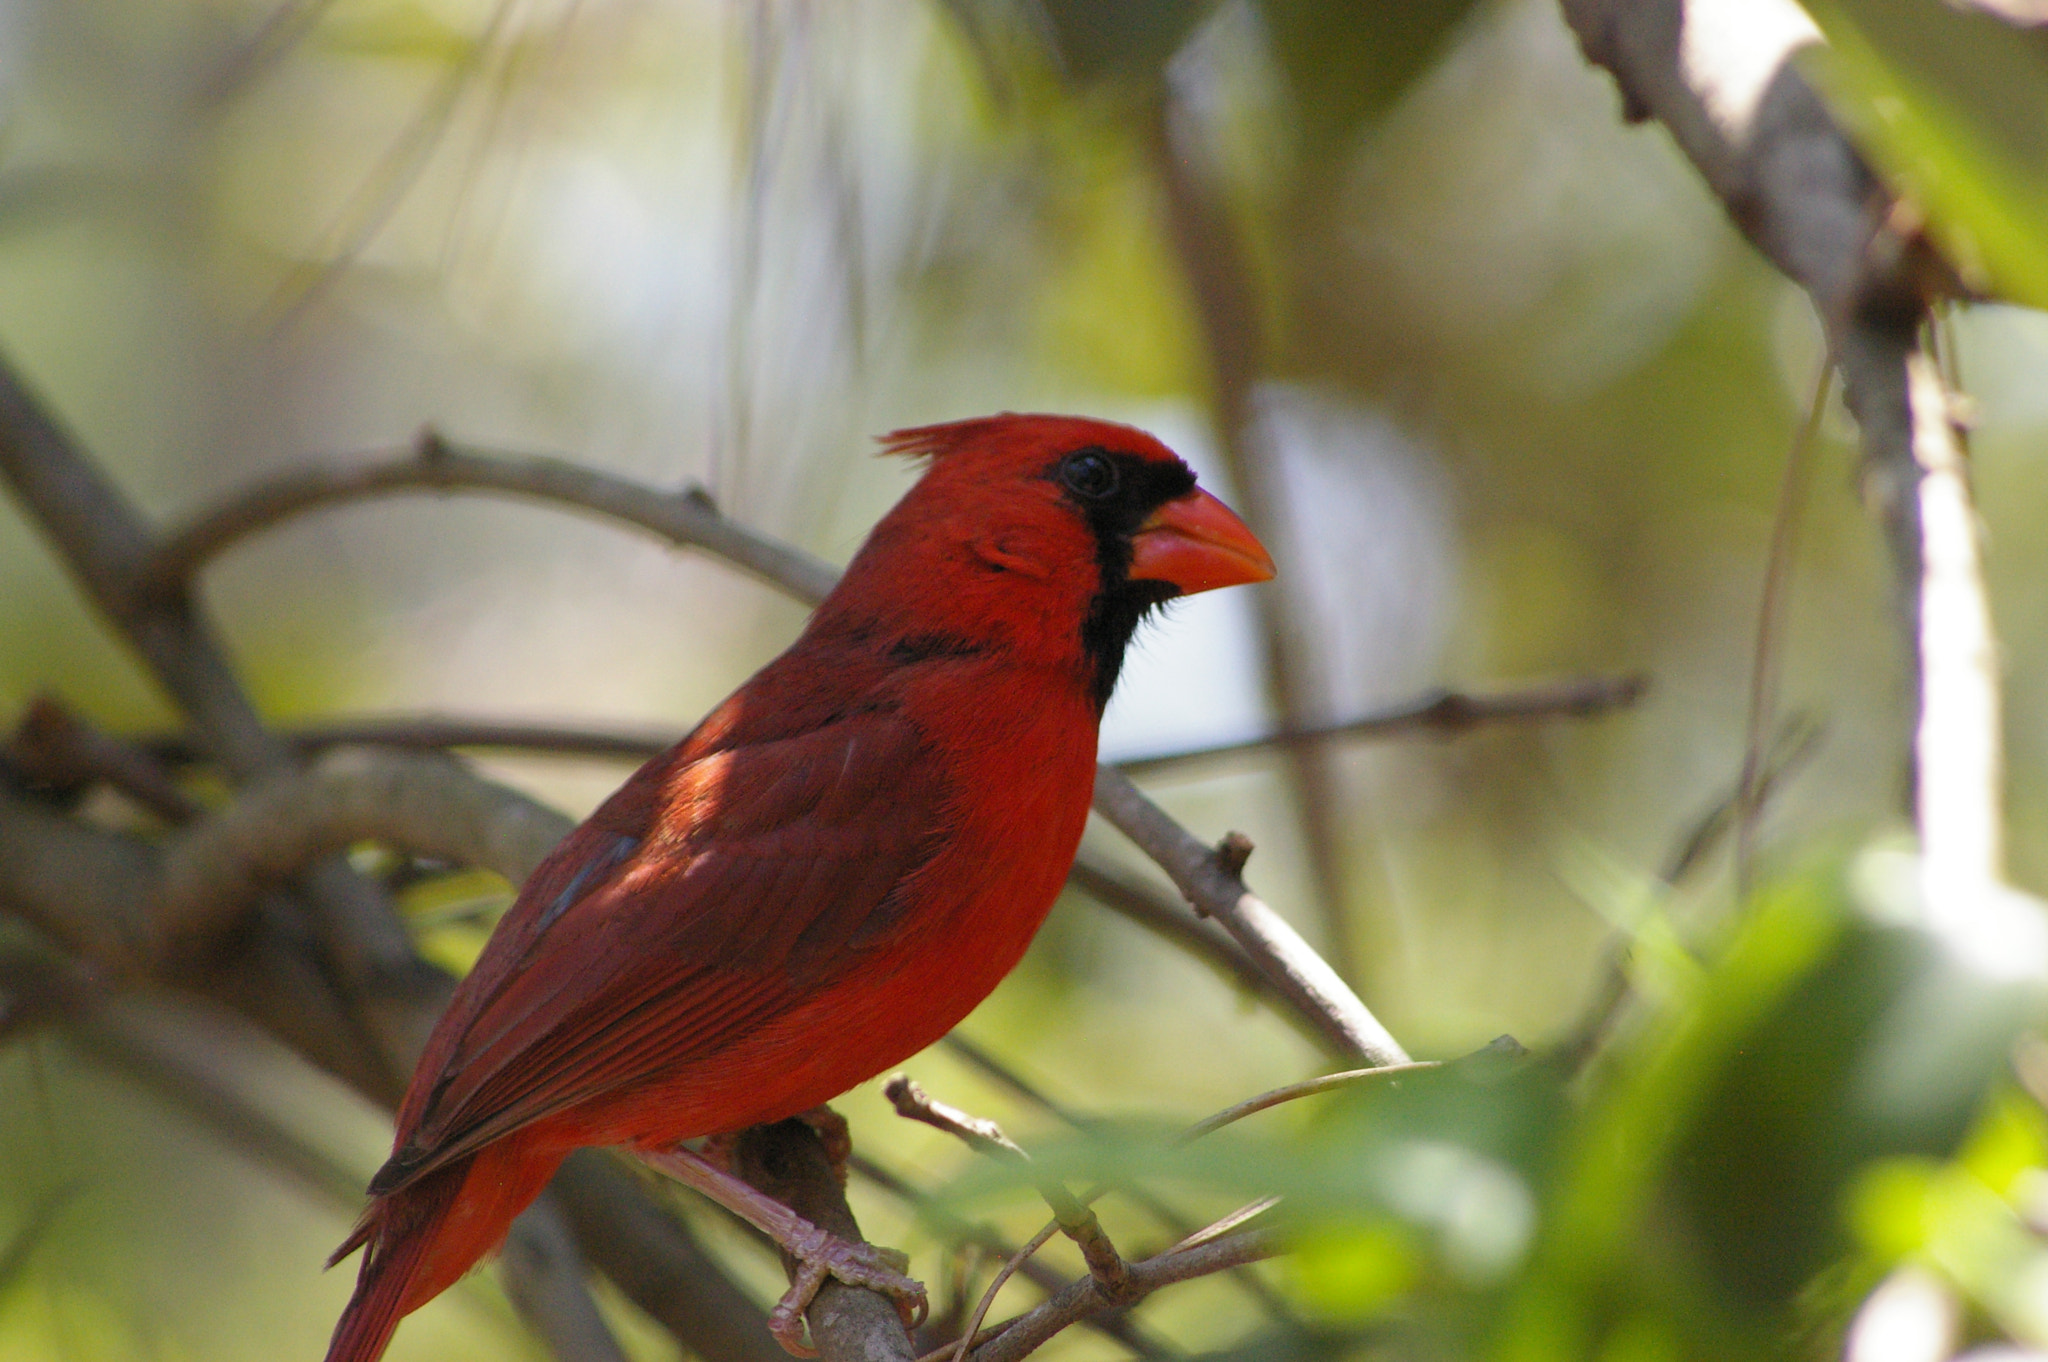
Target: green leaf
[(1952, 110)]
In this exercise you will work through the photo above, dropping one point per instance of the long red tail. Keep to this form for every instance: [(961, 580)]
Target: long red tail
[(419, 1240)]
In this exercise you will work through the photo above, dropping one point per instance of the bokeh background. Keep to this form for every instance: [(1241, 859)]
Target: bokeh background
[(1524, 400)]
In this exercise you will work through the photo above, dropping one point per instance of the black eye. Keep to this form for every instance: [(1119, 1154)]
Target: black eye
[(1090, 473)]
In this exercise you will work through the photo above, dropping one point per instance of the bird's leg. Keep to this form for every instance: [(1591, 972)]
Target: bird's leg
[(819, 1254)]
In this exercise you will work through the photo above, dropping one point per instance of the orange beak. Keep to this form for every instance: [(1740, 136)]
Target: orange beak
[(1197, 543)]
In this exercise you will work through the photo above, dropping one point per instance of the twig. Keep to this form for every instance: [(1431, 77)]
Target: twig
[(1093, 873), (428, 805), (1794, 744), (1115, 888), (88, 890), (1022, 1335), (1071, 1214), (1214, 890), (683, 518), (653, 1258), (1442, 711), (1293, 1091), (437, 732), (1770, 623), (913, 1103), (1114, 1324), (967, 1048), (106, 543), (1957, 744), (788, 1161), (973, 1335)]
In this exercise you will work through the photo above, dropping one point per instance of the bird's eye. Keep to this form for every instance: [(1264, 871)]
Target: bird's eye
[(1089, 473)]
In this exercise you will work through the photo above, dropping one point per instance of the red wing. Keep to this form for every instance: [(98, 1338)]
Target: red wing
[(626, 957)]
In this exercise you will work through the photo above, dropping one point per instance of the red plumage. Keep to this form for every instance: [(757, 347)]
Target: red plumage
[(831, 870)]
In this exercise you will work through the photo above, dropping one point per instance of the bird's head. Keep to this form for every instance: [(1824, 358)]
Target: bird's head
[(1049, 535)]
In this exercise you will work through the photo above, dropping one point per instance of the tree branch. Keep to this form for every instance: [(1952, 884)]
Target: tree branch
[(687, 519), (1443, 711), (789, 1162), (1216, 889), (429, 805), (1732, 96), (1079, 1300)]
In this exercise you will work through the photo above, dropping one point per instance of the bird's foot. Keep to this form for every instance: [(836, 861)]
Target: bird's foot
[(823, 1255), (819, 1254)]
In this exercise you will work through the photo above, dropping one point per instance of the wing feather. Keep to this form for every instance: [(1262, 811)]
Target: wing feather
[(754, 869)]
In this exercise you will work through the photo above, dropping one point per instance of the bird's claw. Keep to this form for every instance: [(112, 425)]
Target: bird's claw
[(879, 1269)]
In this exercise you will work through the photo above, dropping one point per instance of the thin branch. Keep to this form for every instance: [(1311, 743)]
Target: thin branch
[(654, 1259), (79, 885), (1079, 1300), (1770, 624), (1217, 890), (973, 1334), (984, 1136), (1442, 711), (1114, 1324), (1797, 740), (186, 1077), (426, 804), (687, 519), (440, 733), (1796, 743), (105, 542), (789, 1162), (1957, 744), (1071, 1214), (1309, 1087), (987, 1062)]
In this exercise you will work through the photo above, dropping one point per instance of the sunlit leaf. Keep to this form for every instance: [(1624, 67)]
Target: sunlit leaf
[(1952, 107)]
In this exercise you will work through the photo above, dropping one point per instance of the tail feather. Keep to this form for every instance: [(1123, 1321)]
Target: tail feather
[(398, 1236), (419, 1239)]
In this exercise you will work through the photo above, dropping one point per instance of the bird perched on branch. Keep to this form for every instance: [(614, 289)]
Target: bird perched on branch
[(835, 867)]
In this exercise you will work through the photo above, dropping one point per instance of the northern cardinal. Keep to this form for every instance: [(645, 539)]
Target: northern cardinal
[(840, 861)]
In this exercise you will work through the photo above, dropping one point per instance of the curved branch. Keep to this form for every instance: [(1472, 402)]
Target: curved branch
[(429, 805), (687, 519)]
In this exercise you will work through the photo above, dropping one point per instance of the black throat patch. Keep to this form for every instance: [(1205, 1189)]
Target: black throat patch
[(1120, 604)]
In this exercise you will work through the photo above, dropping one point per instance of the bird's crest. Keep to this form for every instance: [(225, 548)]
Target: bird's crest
[(936, 442)]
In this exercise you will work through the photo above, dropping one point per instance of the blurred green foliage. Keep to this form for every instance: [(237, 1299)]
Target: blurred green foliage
[(1729, 1179), (1951, 104)]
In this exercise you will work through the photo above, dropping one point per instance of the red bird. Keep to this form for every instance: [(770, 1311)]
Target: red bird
[(832, 870)]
